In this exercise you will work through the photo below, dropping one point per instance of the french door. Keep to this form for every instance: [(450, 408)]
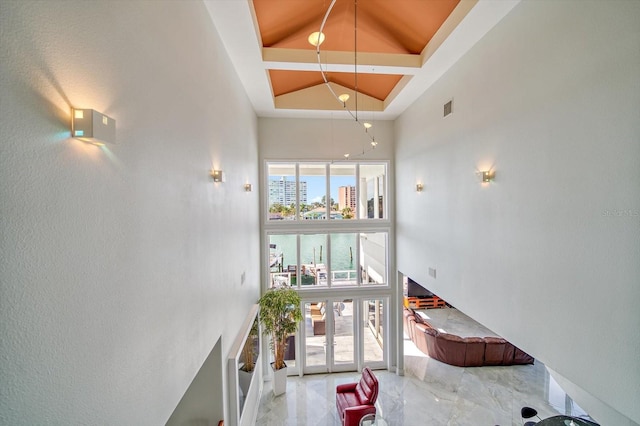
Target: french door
[(329, 343), (343, 335)]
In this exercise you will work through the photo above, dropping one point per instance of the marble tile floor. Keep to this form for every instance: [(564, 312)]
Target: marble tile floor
[(430, 393)]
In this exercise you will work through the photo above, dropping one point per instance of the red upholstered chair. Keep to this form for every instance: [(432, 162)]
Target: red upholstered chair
[(355, 400)]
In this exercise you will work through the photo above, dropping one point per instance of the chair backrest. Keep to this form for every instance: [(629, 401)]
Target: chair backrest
[(367, 388)]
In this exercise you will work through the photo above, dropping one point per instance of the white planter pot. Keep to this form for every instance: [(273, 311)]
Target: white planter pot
[(279, 381), (244, 380)]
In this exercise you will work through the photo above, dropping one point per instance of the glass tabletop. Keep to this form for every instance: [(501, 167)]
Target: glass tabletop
[(565, 421)]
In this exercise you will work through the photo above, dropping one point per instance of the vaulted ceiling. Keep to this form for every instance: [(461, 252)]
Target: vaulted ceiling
[(382, 53)]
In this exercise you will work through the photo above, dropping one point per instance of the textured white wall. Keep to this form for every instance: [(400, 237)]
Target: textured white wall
[(121, 265), (548, 254)]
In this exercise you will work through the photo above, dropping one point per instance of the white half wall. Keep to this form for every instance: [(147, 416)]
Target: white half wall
[(120, 266), (547, 255)]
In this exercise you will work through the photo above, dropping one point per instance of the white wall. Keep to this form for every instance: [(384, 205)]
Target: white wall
[(548, 255), (324, 139), (120, 266)]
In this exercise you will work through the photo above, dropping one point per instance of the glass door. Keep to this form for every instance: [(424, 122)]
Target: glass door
[(374, 331), (343, 354), (329, 337), (315, 337)]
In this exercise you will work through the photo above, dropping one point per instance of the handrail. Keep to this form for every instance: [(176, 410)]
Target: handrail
[(336, 276)]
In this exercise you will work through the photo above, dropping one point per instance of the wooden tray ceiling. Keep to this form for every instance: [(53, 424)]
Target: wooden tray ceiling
[(390, 40)]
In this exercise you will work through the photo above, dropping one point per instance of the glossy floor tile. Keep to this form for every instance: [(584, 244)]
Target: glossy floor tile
[(430, 392)]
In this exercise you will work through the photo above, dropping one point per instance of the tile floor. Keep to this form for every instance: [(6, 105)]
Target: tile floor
[(430, 392)]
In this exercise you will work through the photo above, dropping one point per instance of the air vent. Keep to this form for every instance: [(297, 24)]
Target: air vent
[(448, 108)]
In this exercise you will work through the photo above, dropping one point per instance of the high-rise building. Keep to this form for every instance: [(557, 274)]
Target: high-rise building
[(283, 191), (347, 197)]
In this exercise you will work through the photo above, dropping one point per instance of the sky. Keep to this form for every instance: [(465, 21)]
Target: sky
[(316, 186)]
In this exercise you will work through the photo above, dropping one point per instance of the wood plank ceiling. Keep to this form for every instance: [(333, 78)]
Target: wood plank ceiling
[(387, 40)]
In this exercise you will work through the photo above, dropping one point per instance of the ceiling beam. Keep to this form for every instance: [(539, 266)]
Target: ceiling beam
[(338, 61)]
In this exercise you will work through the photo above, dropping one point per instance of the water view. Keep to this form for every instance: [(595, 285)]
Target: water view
[(313, 250)]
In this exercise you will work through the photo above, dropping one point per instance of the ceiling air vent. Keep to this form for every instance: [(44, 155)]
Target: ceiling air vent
[(448, 108)]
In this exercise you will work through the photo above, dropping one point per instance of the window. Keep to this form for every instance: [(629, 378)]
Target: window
[(325, 191), (373, 252), (343, 190), (283, 192), (328, 229), (372, 191), (313, 177), (343, 259), (338, 259)]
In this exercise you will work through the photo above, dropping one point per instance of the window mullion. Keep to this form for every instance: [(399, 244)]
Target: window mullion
[(298, 187)]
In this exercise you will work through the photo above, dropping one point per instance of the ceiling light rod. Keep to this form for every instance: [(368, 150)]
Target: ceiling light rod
[(355, 65)]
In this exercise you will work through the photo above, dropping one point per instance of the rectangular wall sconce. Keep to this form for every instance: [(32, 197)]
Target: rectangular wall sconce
[(217, 175), (419, 187), (248, 187), (488, 176), (93, 127)]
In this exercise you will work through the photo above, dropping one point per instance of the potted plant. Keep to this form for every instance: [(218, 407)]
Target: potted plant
[(280, 314), (249, 351)]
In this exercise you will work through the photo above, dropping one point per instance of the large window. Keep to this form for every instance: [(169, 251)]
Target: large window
[(325, 191), (328, 228), (337, 259), (327, 224)]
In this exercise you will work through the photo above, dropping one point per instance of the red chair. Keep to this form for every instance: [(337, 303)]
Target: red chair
[(355, 400)]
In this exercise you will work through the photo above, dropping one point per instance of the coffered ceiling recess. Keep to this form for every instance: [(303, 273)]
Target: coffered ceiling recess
[(387, 52)]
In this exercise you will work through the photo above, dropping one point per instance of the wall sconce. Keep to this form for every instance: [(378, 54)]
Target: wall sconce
[(248, 187), (93, 127), (419, 187), (488, 176), (217, 175)]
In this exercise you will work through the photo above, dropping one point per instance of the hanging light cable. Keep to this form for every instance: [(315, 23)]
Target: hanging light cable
[(355, 52), (342, 98)]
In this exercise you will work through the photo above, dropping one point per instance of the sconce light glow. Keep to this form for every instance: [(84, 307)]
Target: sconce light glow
[(217, 175), (248, 187), (92, 126), (366, 125), (344, 98), (346, 156), (488, 176), (316, 38), (419, 187)]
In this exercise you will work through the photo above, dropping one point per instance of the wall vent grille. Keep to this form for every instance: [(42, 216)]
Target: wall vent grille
[(448, 108)]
